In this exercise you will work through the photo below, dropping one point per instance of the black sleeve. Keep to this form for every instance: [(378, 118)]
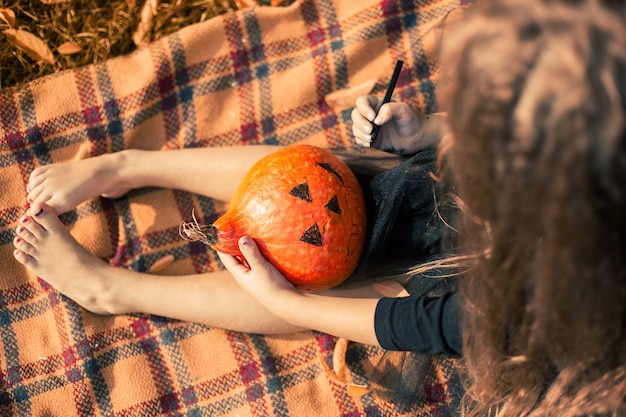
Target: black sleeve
[(427, 325)]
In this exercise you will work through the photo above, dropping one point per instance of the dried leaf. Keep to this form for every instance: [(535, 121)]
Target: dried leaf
[(141, 36), (30, 44), (246, 4), (131, 4), (275, 3), (55, 1), (339, 360), (329, 372), (356, 391), (69, 48), (162, 263), (8, 16), (390, 288), (344, 99), (154, 4)]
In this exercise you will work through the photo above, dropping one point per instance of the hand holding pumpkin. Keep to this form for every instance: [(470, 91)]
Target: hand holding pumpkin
[(256, 274), (351, 318)]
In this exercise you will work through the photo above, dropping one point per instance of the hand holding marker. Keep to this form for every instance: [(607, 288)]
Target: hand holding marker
[(387, 98)]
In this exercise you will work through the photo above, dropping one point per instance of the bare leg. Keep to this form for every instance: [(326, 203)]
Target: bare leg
[(42, 240), (214, 299), (212, 172)]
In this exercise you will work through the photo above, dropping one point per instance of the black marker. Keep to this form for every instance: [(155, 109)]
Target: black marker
[(387, 98)]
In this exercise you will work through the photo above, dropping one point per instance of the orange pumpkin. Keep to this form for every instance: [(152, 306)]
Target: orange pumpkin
[(305, 210)]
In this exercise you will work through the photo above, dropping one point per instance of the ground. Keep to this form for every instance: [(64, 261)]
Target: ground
[(93, 30)]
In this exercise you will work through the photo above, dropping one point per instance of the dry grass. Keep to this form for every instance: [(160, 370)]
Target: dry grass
[(103, 29)]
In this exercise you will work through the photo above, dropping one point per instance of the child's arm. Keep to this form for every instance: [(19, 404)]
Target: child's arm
[(430, 325), (351, 318)]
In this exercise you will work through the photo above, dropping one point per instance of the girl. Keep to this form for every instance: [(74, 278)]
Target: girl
[(538, 159)]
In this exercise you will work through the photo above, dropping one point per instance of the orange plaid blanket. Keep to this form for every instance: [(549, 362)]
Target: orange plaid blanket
[(262, 75)]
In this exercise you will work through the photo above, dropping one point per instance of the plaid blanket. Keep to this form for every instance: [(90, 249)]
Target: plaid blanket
[(262, 75)]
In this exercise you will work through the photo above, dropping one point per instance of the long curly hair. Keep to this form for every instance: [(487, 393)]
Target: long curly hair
[(538, 155)]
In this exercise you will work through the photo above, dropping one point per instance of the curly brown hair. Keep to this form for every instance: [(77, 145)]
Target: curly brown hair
[(539, 155)]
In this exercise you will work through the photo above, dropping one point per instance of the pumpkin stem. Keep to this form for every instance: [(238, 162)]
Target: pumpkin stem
[(194, 232)]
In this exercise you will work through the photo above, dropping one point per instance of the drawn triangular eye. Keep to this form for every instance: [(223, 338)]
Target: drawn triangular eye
[(328, 167), (302, 192), (333, 205), (312, 236)]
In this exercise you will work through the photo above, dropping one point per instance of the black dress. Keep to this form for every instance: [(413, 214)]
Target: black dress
[(405, 228)]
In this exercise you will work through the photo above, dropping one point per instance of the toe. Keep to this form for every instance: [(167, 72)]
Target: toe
[(23, 246), (25, 234), (30, 229), (24, 258), (38, 193), (33, 193), (37, 172), (45, 217), (35, 179)]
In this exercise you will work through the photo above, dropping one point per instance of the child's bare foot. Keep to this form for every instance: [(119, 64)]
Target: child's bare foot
[(44, 246), (64, 186)]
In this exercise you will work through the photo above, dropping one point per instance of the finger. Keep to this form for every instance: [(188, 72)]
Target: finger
[(251, 252), (360, 122), (266, 276), (232, 264), (367, 106), (365, 142), (385, 114), (362, 136)]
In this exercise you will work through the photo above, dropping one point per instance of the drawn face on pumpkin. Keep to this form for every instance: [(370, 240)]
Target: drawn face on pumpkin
[(329, 204)]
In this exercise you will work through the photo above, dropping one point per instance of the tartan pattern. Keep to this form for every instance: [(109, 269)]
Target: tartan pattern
[(254, 76)]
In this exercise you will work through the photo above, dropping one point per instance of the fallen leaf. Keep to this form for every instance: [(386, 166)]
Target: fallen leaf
[(162, 263), (8, 16), (141, 36), (55, 1), (356, 391), (246, 4), (329, 372), (338, 373), (30, 44), (69, 48), (131, 4), (275, 3), (154, 4), (339, 358), (390, 289), (344, 99)]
